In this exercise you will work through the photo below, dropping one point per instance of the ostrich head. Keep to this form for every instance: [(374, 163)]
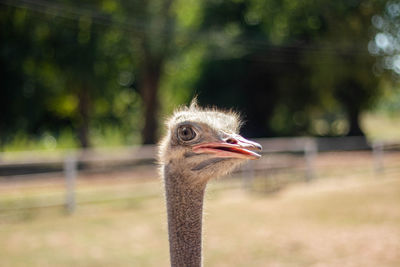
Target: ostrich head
[(204, 143)]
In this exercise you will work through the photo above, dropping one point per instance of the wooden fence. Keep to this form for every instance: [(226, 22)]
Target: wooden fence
[(73, 161)]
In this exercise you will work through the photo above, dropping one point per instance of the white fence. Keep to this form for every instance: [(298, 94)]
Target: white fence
[(71, 162)]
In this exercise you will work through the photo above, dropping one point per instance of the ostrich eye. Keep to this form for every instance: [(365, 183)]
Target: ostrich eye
[(186, 133)]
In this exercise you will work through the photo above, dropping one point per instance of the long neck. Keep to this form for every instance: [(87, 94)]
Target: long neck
[(184, 208)]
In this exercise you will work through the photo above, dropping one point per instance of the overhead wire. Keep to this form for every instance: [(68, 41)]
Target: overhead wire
[(140, 27)]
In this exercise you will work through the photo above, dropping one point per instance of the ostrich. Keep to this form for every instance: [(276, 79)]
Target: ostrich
[(200, 144)]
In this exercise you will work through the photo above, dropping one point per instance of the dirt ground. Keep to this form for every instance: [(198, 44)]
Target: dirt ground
[(347, 216)]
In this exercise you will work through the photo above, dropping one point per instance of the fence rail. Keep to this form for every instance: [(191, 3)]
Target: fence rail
[(73, 161)]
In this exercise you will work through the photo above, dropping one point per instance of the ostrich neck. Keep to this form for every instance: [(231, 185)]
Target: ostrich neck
[(184, 208)]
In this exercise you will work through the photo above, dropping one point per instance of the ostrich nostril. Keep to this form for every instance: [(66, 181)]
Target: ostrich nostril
[(231, 141)]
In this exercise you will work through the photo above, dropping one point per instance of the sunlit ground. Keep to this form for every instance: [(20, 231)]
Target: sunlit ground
[(347, 217)]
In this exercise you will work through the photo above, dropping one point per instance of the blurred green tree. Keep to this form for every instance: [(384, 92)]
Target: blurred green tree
[(286, 62), (293, 67), (76, 65), (155, 47), (385, 46), (385, 43)]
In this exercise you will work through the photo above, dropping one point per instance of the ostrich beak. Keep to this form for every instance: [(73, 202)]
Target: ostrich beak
[(235, 146)]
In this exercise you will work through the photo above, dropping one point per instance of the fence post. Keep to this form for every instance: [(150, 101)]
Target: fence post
[(377, 151), (70, 169), (310, 151)]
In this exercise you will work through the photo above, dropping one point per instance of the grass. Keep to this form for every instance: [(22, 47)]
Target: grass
[(47, 141), (344, 219), (378, 126)]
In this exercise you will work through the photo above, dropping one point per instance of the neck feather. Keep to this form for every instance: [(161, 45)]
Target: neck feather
[(184, 208)]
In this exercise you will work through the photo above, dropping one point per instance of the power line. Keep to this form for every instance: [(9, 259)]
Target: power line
[(75, 13), (140, 27)]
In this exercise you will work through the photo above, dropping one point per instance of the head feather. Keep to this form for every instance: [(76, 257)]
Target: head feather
[(226, 120)]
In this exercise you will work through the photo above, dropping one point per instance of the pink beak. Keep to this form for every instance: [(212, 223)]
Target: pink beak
[(235, 146)]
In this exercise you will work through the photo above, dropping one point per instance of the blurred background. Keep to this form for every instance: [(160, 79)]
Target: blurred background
[(85, 89)]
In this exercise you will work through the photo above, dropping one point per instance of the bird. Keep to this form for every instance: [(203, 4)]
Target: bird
[(199, 144)]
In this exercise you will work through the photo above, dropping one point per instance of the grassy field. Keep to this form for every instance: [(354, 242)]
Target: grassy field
[(345, 218), (378, 126)]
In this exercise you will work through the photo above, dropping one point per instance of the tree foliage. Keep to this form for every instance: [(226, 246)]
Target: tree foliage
[(296, 67), (99, 67)]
